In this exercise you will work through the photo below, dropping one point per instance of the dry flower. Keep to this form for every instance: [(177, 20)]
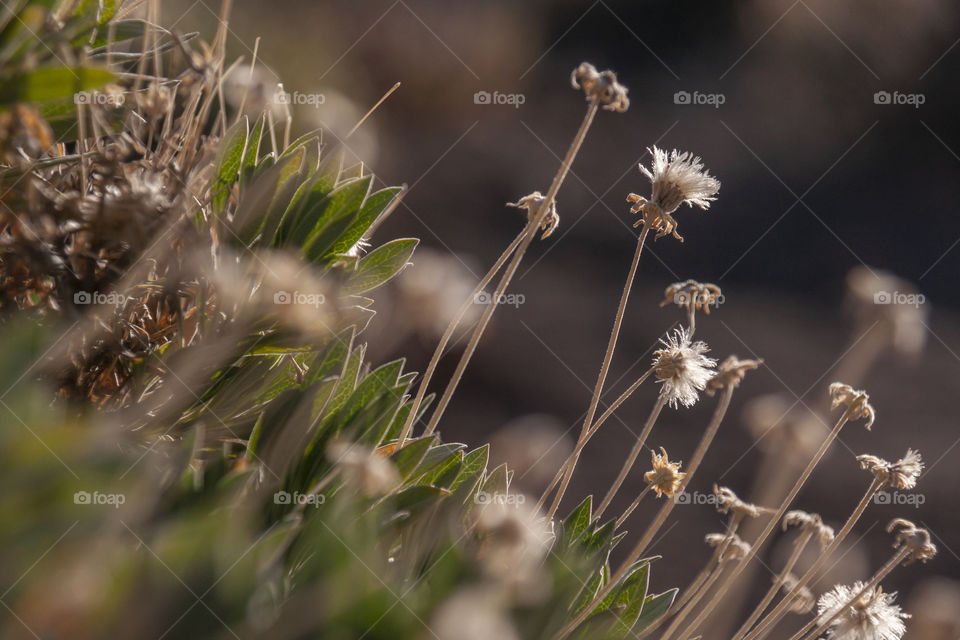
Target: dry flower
[(601, 86), (737, 549), (682, 368), (532, 204), (809, 522), (692, 295), (803, 599), (362, 468), (872, 616), (730, 373), (917, 539), (666, 477), (901, 474), (727, 501), (858, 402), (676, 179)]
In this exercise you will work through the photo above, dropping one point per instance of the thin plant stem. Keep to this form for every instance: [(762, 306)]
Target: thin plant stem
[(631, 459), (633, 505), (448, 335), (514, 265), (696, 587), (604, 370), (771, 525), (693, 601), (799, 546), (596, 425), (781, 609), (881, 573), (722, 405)]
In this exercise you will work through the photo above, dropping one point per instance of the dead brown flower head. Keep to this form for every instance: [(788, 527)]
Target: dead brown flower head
[(858, 402), (666, 477), (532, 203), (730, 373), (915, 538), (601, 86), (809, 522), (901, 474)]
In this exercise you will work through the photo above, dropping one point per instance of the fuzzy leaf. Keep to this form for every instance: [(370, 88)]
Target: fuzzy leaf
[(229, 158), (380, 265), (653, 608)]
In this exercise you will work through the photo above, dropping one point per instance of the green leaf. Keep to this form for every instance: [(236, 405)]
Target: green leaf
[(53, 83), (474, 463), (575, 524), (590, 590), (332, 217), (629, 599), (417, 498), (332, 359), (229, 157), (653, 608), (380, 265), (408, 458), (375, 204)]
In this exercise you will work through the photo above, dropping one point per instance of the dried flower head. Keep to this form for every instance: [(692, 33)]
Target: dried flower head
[(901, 474), (682, 368), (676, 179), (728, 502), (917, 539), (858, 402), (809, 522), (871, 616), (363, 468), (693, 296), (736, 548), (532, 204), (666, 477), (730, 373), (803, 599), (601, 86)]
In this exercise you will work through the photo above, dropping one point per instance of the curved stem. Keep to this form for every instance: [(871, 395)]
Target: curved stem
[(604, 370), (766, 624), (874, 581), (448, 334), (799, 546), (513, 266), (722, 405), (631, 459), (596, 425), (709, 607)]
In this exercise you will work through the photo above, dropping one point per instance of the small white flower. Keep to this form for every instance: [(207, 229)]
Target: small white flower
[(676, 178), (872, 616), (682, 368)]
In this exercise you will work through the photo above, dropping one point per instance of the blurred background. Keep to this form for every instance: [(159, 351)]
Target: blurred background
[(833, 128)]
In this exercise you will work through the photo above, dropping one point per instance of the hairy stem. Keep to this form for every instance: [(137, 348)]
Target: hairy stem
[(722, 405), (633, 505), (631, 459), (448, 334), (771, 525), (766, 624), (513, 266), (604, 370)]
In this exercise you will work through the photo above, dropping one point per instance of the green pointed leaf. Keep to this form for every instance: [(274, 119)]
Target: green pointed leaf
[(375, 204), (408, 458), (332, 217), (380, 265), (229, 158), (53, 83), (474, 463), (653, 608), (575, 524)]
